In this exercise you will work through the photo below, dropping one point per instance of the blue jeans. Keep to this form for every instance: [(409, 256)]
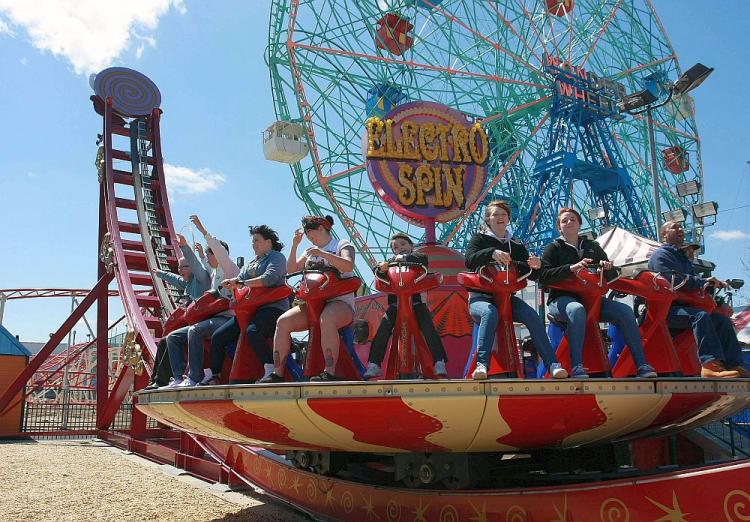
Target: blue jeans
[(484, 312), (714, 334), (568, 310), (194, 335)]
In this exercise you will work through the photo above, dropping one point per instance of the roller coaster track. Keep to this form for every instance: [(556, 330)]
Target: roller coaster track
[(141, 235)]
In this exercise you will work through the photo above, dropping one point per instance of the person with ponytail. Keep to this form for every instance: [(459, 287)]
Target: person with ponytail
[(327, 251)]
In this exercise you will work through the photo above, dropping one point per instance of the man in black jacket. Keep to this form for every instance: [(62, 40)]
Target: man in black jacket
[(403, 250)]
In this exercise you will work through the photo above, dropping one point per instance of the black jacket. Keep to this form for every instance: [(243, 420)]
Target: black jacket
[(414, 257), (481, 246), (558, 256)]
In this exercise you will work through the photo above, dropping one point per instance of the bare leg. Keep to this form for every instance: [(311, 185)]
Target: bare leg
[(293, 320), (335, 315)]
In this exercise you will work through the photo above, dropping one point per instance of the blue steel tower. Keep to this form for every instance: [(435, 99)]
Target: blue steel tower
[(582, 160)]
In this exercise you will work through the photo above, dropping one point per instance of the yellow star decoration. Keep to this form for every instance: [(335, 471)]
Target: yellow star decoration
[(329, 497), (562, 517), (419, 512), (368, 507), (481, 515), (673, 514), (295, 485)]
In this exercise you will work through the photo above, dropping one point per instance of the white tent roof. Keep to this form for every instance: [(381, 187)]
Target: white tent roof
[(742, 324), (624, 248)]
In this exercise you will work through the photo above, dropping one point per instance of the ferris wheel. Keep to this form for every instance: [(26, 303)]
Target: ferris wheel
[(542, 77)]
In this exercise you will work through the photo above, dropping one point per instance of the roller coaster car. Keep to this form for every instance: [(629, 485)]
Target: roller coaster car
[(315, 288), (590, 287), (175, 321), (684, 340), (405, 279), (205, 307), (501, 282), (246, 367), (658, 347)]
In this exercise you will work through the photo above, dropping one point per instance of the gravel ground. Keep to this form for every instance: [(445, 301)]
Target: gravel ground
[(90, 481)]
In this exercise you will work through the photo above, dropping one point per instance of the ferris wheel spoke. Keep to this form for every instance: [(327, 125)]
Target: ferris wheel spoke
[(637, 68), (494, 180), (455, 20), (517, 109), (512, 29), (644, 166), (601, 32), (385, 59)]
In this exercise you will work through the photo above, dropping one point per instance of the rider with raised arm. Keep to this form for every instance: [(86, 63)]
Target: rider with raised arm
[(494, 245), (268, 269), (326, 252), (718, 348), (194, 280), (563, 258), (403, 250)]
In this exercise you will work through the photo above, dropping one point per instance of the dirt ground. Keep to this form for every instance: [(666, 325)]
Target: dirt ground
[(90, 481)]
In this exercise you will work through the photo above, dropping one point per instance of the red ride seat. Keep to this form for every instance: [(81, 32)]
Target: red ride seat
[(590, 288), (684, 340), (316, 287), (404, 280), (245, 366), (501, 282), (657, 341)]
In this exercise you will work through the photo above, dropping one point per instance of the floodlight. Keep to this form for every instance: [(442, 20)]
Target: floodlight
[(603, 230), (707, 209), (677, 215), (689, 188), (692, 78), (596, 213), (636, 100)]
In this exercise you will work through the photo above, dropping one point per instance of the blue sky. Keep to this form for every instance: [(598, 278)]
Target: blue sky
[(207, 59)]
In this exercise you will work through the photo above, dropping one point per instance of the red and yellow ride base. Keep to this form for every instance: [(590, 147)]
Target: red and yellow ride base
[(446, 416)]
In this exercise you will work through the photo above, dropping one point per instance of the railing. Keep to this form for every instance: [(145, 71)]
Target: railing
[(734, 432)]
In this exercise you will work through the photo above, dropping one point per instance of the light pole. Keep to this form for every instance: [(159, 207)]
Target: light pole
[(687, 81)]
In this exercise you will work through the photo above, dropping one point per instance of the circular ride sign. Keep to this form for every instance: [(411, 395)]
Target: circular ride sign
[(426, 161)]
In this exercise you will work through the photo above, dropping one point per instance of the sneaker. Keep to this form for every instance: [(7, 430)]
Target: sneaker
[(188, 383), (153, 385), (208, 377), (645, 371), (373, 370), (715, 369), (173, 383), (324, 376), (480, 372), (267, 370), (213, 380), (578, 372), (557, 371), (271, 378), (439, 369)]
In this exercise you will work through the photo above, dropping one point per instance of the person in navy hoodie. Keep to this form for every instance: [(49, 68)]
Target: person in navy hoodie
[(718, 348)]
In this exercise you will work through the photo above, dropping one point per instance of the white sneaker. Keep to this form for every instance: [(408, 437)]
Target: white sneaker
[(267, 370), (480, 372), (439, 369), (208, 374), (373, 370), (173, 383), (187, 383), (557, 371)]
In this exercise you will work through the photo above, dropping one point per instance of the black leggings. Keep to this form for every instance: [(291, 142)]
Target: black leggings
[(385, 330)]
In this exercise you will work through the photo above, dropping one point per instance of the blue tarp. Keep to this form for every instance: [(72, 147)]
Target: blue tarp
[(9, 345)]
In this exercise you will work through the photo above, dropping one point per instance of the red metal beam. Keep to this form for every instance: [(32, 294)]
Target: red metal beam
[(106, 414), (61, 332)]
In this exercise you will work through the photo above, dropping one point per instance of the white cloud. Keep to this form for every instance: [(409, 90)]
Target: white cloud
[(729, 235), (184, 180), (5, 28), (90, 34)]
